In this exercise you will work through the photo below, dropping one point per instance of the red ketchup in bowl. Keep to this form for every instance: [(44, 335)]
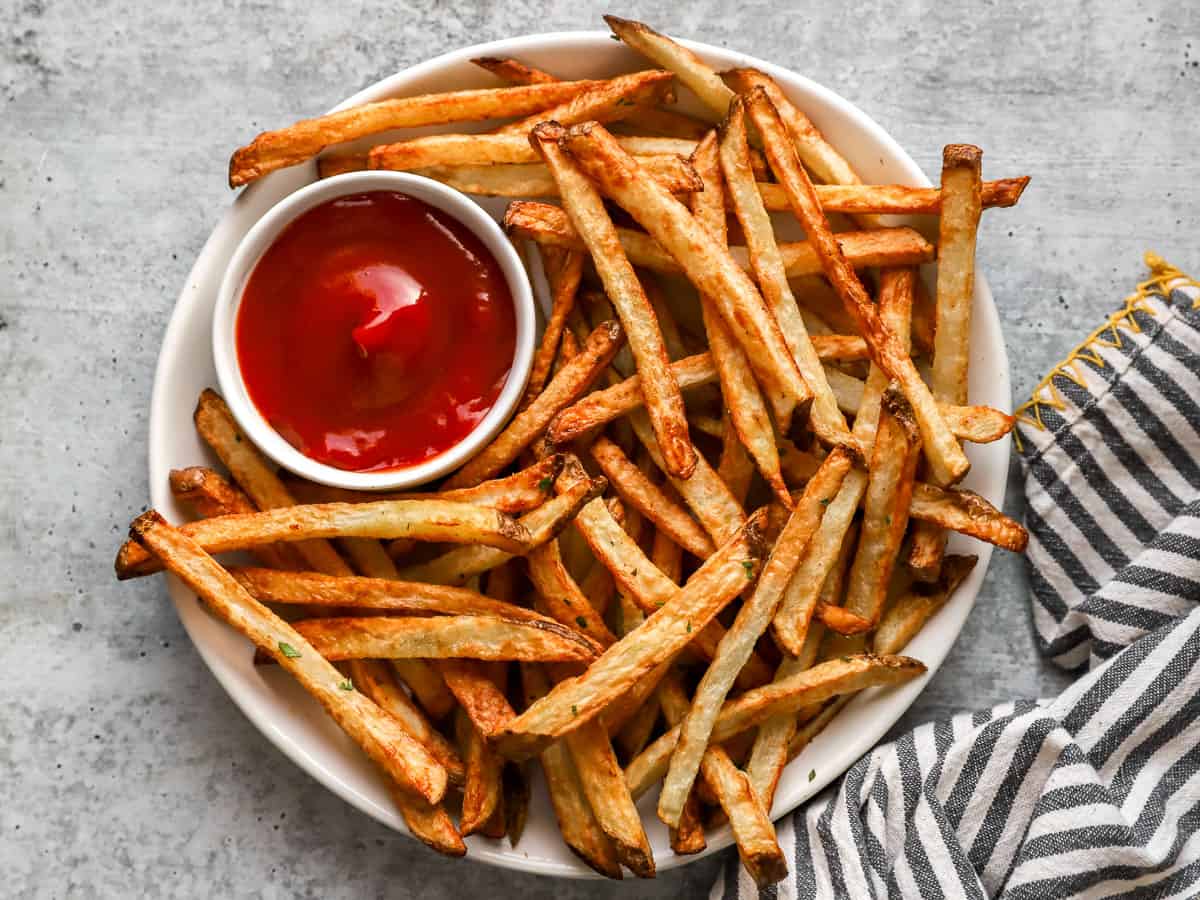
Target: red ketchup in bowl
[(375, 333)]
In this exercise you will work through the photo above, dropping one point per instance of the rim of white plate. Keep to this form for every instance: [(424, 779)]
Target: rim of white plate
[(861, 723)]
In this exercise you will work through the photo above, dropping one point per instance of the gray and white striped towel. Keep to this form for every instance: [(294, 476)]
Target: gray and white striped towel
[(1095, 793)]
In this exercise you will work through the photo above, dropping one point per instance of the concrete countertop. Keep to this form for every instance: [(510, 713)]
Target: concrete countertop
[(124, 768)]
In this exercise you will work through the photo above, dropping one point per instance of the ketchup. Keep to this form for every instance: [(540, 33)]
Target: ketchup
[(376, 332)]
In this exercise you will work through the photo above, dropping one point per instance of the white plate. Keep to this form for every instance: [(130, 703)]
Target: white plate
[(286, 715)]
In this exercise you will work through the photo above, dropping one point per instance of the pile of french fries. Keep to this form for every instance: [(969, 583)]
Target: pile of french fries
[(720, 513)]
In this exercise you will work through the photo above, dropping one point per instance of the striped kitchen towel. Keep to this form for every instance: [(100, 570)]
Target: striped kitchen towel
[(1095, 793)]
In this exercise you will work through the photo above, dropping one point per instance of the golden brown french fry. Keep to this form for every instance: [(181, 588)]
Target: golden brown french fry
[(547, 224), (689, 837), (811, 686), (534, 179), (967, 512), (482, 793), (427, 686), (835, 618), (576, 821), (891, 199), (942, 450), (543, 523), (567, 386), (440, 637), (429, 823), (885, 508), (256, 476), (574, 702), (495, 149), (563, 272), (649, 499), (604, 786), (339, 162), (736, 467), (664, 403), (706, 263), (424, 520), (635, 732), (207, 494), (381, 736), (752, 620), (753, 832), (561, 597), (606, 101), (273, 150), (377, 680), (743, 401), (691, 70), (767, 264), (477, 693), (908, 614), (672, 336)]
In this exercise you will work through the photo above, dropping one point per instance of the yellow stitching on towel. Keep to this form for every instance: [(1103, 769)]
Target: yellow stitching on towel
[(1047, 395)]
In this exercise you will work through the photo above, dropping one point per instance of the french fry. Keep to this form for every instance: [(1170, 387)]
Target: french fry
[(429, 823), (482, 793), (400, 755), (743, 401), (534, 179), (542, 524), (942, 450), (513, 71), (689, 837), (477, 693), (753, 832), (968, 513), (885, 508), (576, 701), (961, 207), (604, 786), (563, 272), (517, 793), (649, 499), (891, 199), (706, 263), (736, 467), (635, 732), (207, 494), (811, 686), (440, 637), (566, 387), (423, 520), (576, 822), (427, 686), (908, 613), (672, 336), (274, 150), (767, 263), (692, 71), (547, 224), (663, 401), (377, 680), (561, 597), (256, 476), (495, 149), (605, 101), (752, 620)]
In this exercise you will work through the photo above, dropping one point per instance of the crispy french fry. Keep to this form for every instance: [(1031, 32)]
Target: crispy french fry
[(427, 686), (663, 401), (757, 845), (563, 272), (482, 794), (752, 620), (429, 823), (567, 386), (967, 512), (811, 686), (207, 494), (909, 613), (692, 71), (736, 467), (534, 179), (381, 736), (672, 336), (425, 520), (891, 199), (496, 149), (605, 101), (377, 680), (945, 456), (478, 695), (689, 837), (767, 264), (513, 71), (649, 499), (604, 786), (273, 150), (547, 224), (576, 701), (562, 598), (706, 263), (542, 524), (440, 637), (576, 821), (743, 401), (885, 508)]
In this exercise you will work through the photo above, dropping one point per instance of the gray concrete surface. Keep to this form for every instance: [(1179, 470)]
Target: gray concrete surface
[(124, 769)]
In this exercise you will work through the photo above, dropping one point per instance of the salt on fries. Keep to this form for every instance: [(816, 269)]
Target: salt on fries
[(612, 541)]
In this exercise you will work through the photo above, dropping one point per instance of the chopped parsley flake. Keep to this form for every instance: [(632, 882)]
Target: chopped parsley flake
[(824, 501), (748, 565), (574, 711), (812, 773), (581, 621), (288, 650), (545, 484), (346, 685), (689, 627)]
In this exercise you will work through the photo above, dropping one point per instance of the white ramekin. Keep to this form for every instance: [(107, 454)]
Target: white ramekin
[(260, 237)]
